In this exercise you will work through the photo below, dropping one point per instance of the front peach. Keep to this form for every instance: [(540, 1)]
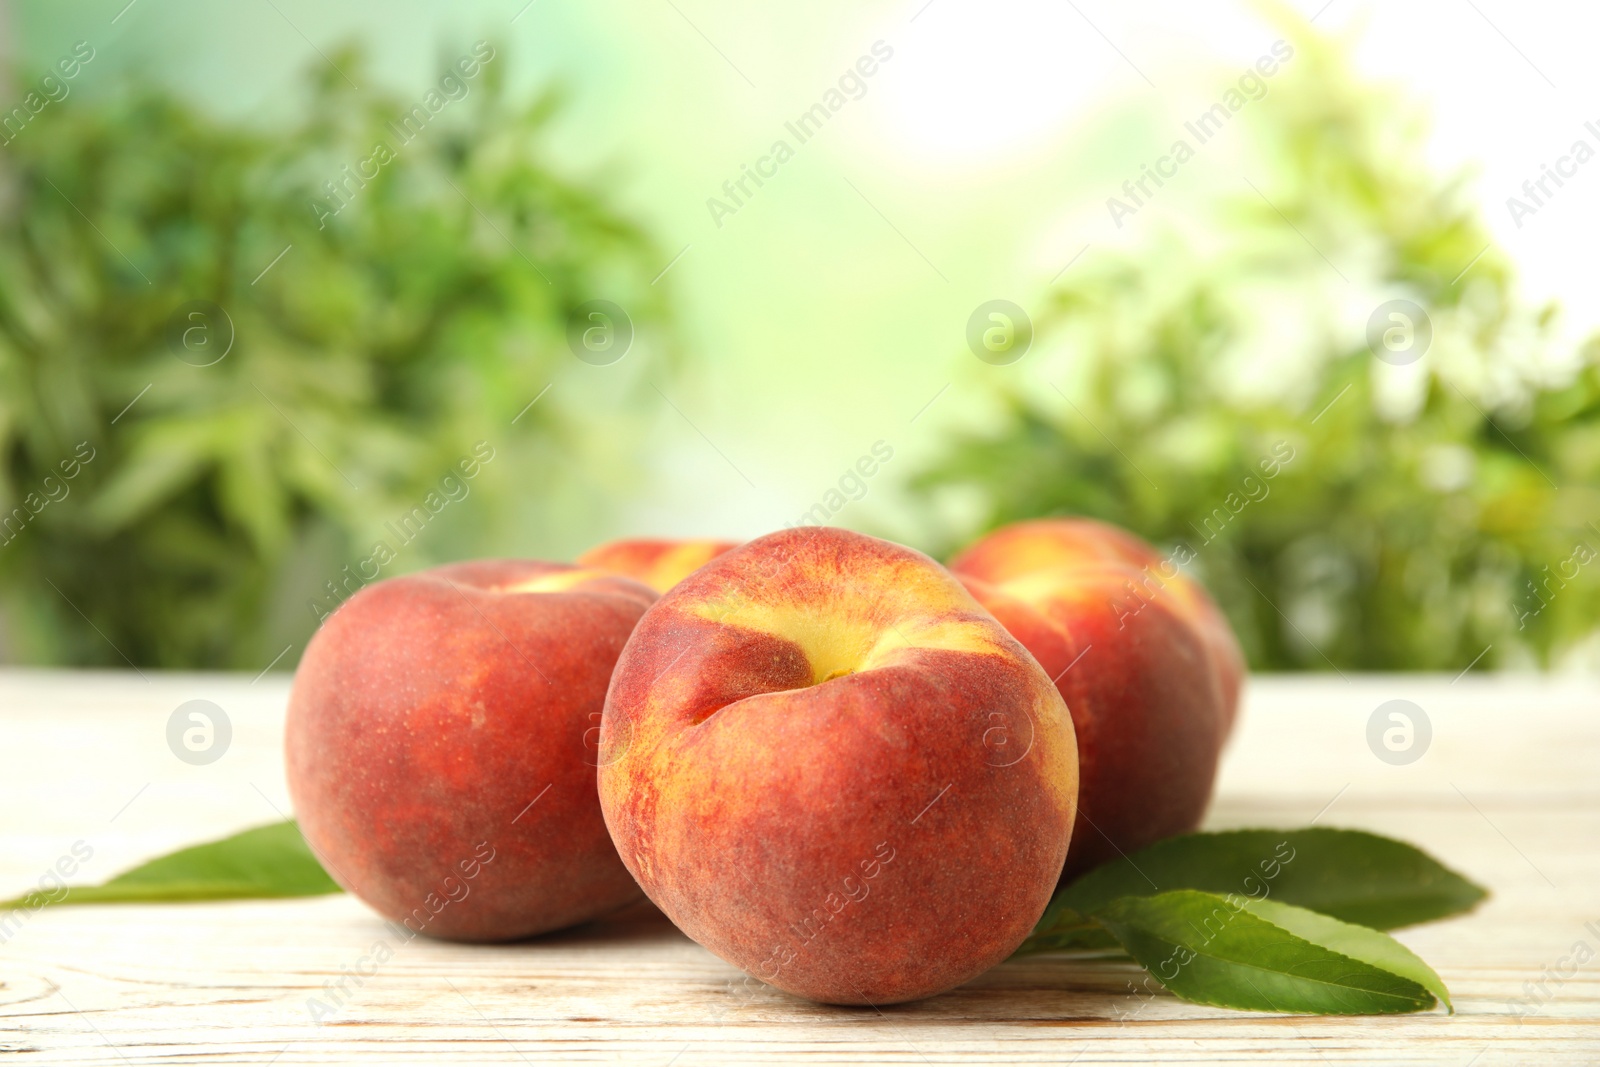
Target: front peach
[(829, 766)]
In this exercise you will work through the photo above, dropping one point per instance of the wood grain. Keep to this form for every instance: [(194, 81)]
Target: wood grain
[(1507, 792)]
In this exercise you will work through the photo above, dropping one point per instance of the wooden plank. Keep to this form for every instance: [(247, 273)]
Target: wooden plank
[(1506, 792)]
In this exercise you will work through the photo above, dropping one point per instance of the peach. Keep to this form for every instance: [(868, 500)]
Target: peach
[(1144, 703), (442, 738), (828, 765), (1138, 671), (1027, 548), (658, 564)]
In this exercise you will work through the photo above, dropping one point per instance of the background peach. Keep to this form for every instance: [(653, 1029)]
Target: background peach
[(1039, 546), (657, 563), (442, 739), (1146, 664)]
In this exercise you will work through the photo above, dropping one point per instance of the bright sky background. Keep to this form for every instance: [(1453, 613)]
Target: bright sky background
[(828, 311)]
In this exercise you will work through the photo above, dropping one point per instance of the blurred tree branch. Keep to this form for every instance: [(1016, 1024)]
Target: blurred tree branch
[(1429, 512), (367, 358)]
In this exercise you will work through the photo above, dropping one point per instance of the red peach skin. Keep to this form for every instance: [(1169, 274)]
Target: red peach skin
[(442, 740), (1148, 667)]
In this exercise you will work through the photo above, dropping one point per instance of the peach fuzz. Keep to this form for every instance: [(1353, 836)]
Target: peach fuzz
[(828, 765), (657, 563), (442, 739)]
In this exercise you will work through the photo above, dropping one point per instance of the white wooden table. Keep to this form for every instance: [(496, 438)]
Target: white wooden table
[(1508, 792)]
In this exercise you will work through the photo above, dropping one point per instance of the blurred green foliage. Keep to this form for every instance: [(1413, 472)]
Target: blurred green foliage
[(1428, 511), (421, 304)]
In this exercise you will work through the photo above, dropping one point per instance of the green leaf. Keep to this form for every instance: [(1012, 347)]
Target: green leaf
[(1349, 874), (1358, 942), (268, 861), (1264, 956)]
